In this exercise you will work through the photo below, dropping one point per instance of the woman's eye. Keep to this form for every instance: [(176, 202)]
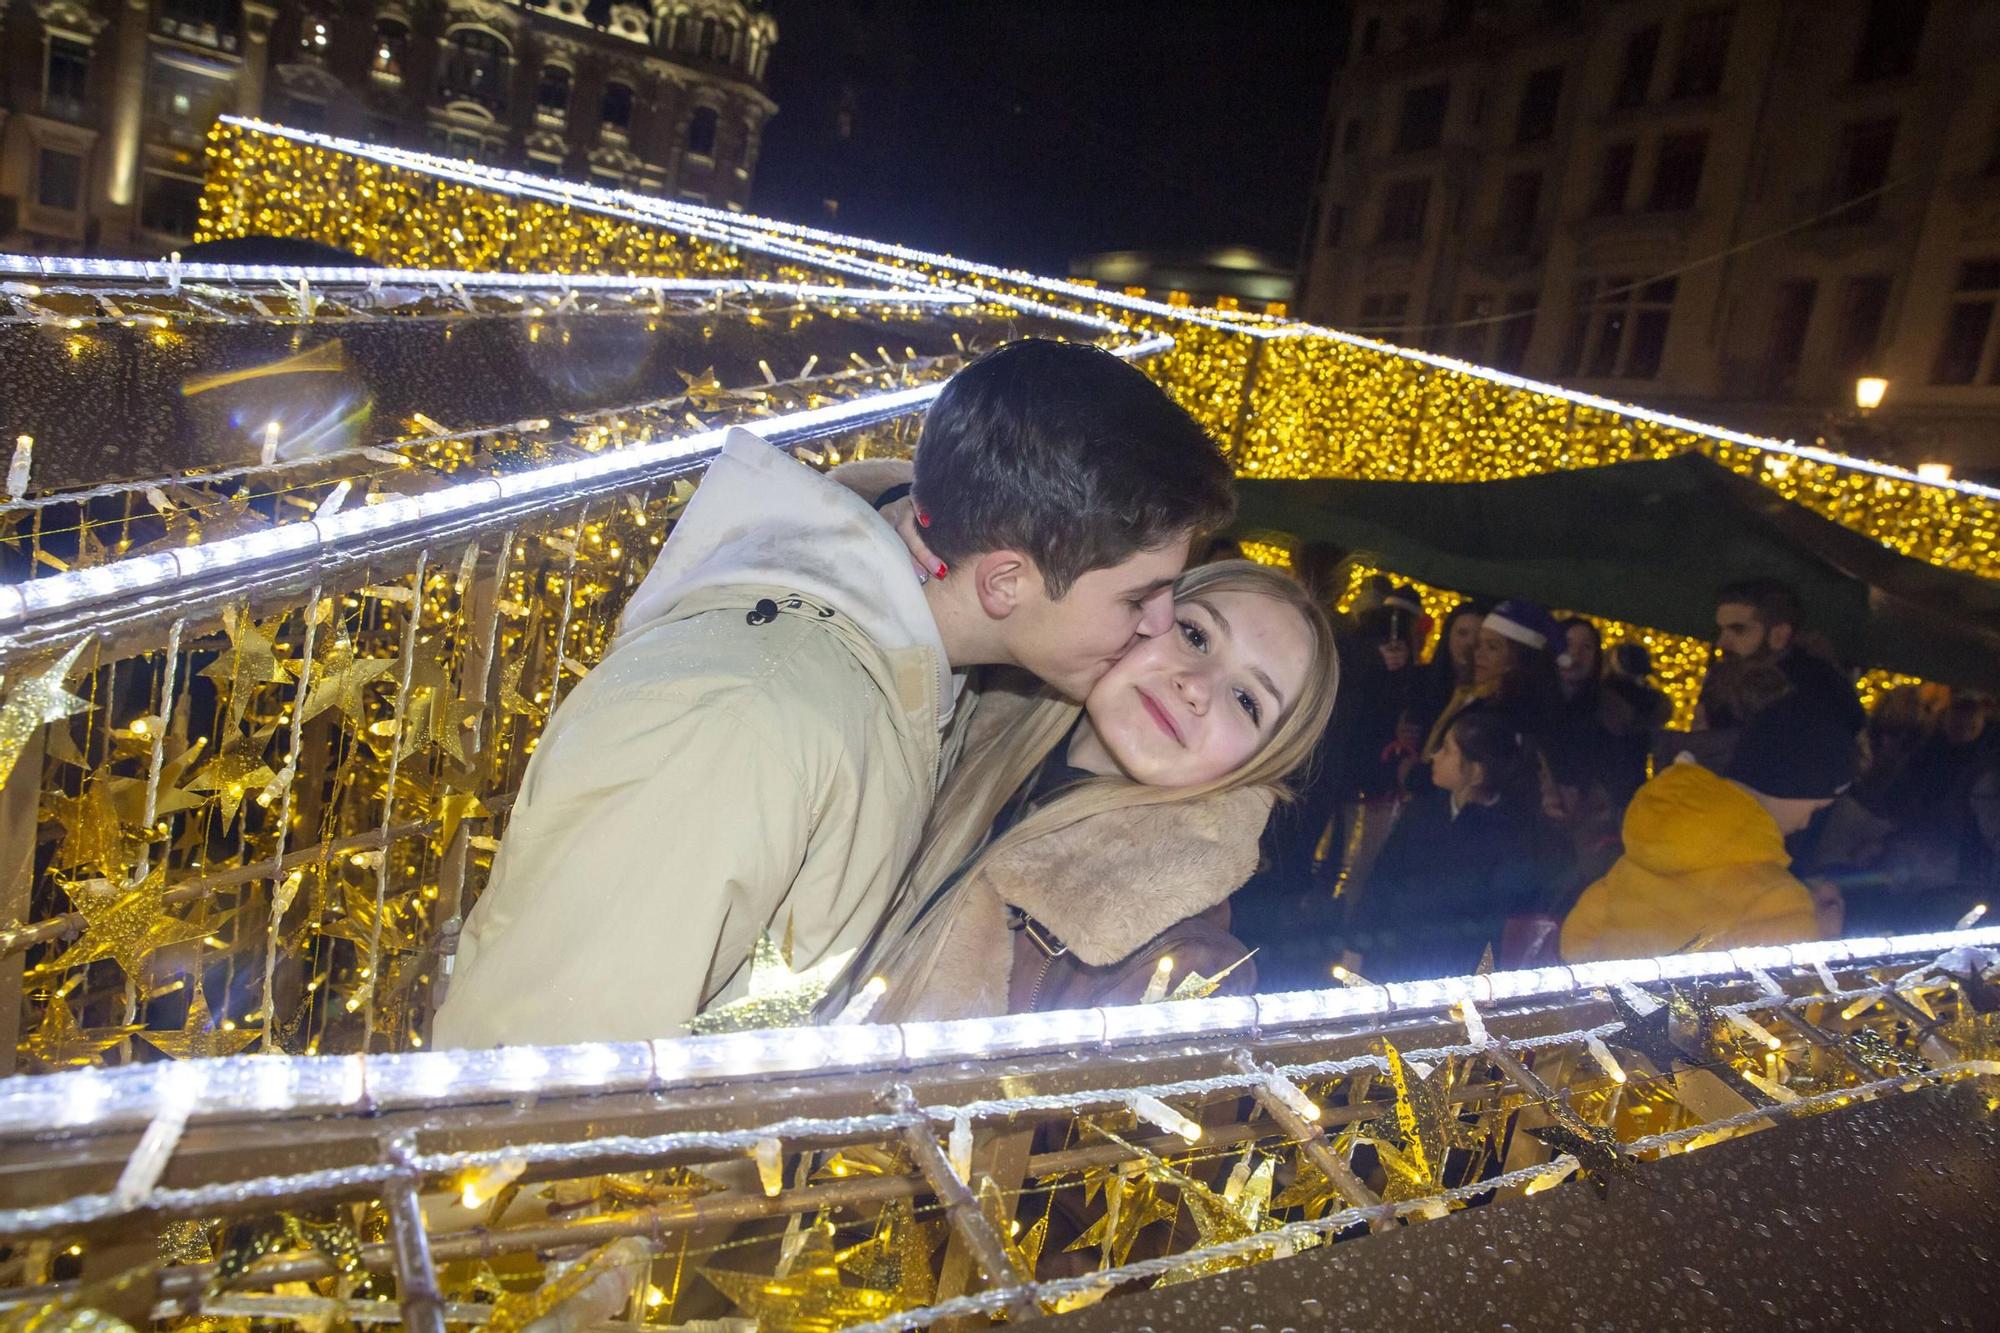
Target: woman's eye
[(1249, 702), (1196, 638)]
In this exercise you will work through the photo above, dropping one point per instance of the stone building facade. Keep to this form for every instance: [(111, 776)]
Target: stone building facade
[(105, 104), (1733, 210)]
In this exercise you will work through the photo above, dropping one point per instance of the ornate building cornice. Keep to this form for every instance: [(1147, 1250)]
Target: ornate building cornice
[(70, 16)]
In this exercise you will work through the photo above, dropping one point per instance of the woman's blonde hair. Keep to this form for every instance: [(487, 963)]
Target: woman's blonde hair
[(983, 782)]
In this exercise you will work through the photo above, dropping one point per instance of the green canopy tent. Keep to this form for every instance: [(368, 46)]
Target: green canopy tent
[(1649, 543)]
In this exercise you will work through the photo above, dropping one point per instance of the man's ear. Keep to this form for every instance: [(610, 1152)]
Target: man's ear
[(1778, 638), (1004, 581)]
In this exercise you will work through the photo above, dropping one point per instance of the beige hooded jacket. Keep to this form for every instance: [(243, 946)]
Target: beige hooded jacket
[(759, 749)]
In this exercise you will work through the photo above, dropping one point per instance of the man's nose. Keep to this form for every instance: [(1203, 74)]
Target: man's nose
[(1156, 614)]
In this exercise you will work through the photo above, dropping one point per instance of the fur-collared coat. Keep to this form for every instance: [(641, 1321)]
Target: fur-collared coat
[(1118, 889)]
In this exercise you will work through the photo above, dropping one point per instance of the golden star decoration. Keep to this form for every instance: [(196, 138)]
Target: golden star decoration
[(94, 837), (1132, 1202), (1421, 1128), (1310, 1190), (897, 1257), (250, 660), (59, 1043), (125, 924), (238, 771), (33, 703), (340, 680), (169, 797), (778, 997), (512, 701), (200, 1036), (704, 391), (811, 1298), (356, 921), (434, 714)]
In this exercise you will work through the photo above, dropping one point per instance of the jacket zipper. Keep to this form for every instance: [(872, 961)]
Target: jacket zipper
[(1035, 994)]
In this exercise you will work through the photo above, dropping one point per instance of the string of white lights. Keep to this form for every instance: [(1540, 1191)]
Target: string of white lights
[(177, 1086), (386, 451), (156, 574), (743, 228), (128, 1096)]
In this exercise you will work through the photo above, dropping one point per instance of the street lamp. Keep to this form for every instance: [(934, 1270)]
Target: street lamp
[(1869, 391)]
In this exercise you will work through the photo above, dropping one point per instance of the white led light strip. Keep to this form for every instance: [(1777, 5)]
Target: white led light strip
[(155, 575), (111, 1098), (741, 227), (156, 272)]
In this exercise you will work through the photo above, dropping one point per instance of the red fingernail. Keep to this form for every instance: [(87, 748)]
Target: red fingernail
[(942, 569), (923, 519)]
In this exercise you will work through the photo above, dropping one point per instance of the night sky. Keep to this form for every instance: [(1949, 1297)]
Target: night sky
[(1028, 133)]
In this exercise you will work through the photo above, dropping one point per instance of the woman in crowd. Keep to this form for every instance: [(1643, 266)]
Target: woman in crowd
[(1513, 671), (1448, 675), (1073, 852), (1462, 859)]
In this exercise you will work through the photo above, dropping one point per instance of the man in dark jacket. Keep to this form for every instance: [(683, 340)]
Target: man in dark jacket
[(1760, 620)]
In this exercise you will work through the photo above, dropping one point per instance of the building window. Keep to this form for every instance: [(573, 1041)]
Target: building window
[(182, 103), (1614, 179), (58, 180), (1966, 327), (1864, 304), (1404, 206), (1539, 100), (172, 205), (213, 23), (1510, 346), (1635, 74), (732, 38), (67, 79), (475, 68), (314, 37), (1789, 322), (1677, 174), (1620, 329), (1861, 168), (392, 48), (710, 29), (552, 95), (701, 132), (1421, 125), (617, 107), (1704, 51), (1382, 316), (1520, 203), (1890, 36)]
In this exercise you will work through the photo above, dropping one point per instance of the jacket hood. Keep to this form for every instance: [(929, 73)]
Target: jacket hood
[(1108, 884), (762, 519), (1688, 820)]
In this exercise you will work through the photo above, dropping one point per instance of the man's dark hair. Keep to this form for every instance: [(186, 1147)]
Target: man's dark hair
[(1066, 453), (1775, 602)]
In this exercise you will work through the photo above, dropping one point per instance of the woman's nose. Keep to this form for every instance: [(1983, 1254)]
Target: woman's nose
[(1193, 689)]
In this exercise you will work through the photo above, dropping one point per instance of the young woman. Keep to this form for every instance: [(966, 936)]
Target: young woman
[(1071, 851), (1450, 668), (1462, 859), (1513, 670)]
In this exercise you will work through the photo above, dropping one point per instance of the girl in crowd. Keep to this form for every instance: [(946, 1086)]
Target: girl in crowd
[(1462, 859), (1072, 852)]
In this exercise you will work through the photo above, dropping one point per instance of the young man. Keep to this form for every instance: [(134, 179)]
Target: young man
[(1705, 865), (758, 751), (1759, 620)]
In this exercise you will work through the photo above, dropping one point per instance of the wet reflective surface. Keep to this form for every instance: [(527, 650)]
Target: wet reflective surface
[(1879, 1216)]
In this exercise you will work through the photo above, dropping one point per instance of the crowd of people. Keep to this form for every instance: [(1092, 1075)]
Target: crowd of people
[(1519, 796), (983, 734)]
